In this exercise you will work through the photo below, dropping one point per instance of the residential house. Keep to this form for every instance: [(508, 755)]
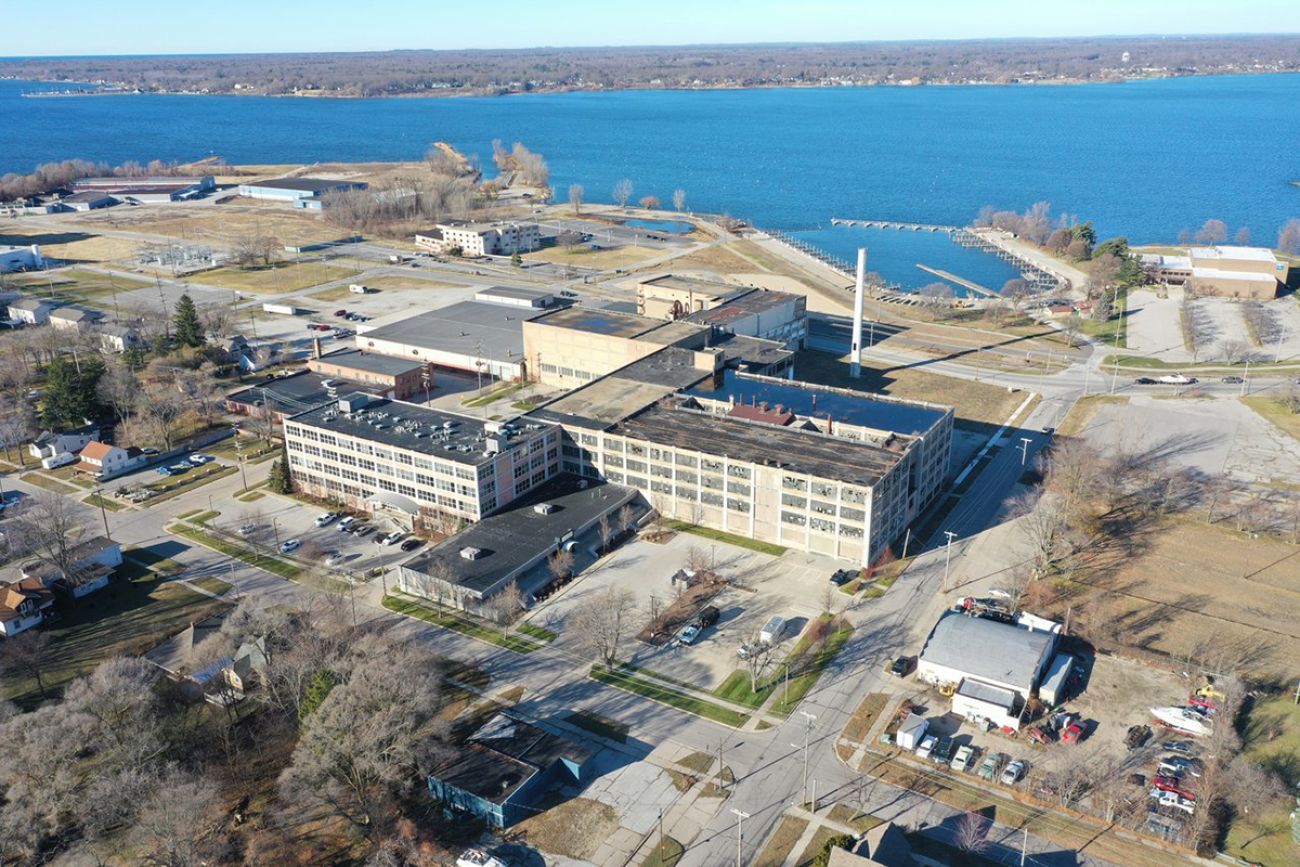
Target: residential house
[(73, 318), (51, 443), (23, 605), (248, 665), (118, 338), (103, 460), (92, 563), (30, 311)]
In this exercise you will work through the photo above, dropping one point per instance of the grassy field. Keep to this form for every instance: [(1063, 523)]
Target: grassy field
[(126, 618), (864, 717), (573, 828), (538, 632), (804, 667), (1081, 414), (1143, 362), (265, 562), (223, 225), (977, 401), (494, 395), (284, 277), (600, 725), (1272, 736), (75, 285), (212, 584), (40, 480), (73, 245), (174, 486), (814, 847), (105, 502), (449, 620), (1276, 412), (859, 822), (781, 843), (729, 538), (585, 257), (665, 695), (399, 283)]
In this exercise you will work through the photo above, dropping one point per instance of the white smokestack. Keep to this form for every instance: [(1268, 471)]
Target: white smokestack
[(855, 365)]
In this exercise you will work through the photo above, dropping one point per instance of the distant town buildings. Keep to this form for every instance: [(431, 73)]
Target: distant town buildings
[(1235, 272), (143, 190)]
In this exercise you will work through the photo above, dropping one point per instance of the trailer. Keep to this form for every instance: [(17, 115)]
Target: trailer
[(285, 309)]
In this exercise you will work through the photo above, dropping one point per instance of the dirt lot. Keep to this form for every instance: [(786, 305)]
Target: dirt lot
[(573, 828), (1198, 581), (213, 224)]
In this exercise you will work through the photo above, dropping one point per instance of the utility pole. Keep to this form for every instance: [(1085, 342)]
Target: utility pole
[(947, 557), (99, 497), (740, 817), (1245, 380), (1024, 449), (1024, 846), (806, 732), (721, 782)]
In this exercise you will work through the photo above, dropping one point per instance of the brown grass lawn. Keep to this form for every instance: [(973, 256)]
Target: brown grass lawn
[(573, 828), (126, 618), (74, 244), (283, 277), (1083, 411), (1276, 412), (1198, 580), (1272, 737), (860, 723), (74, 285), (977, 401), (819, 838), (778, 846), (403, 282), (220, 225), (583, 257)]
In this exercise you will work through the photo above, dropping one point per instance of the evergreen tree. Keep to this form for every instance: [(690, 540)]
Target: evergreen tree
[(70, 392), (280, 480), (189, 331), (318, 689)]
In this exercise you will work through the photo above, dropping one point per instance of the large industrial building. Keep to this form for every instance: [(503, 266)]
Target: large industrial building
[(426, 467), (1234, 272), (144, 190), (305, 193), (743, 310), (472, 336)]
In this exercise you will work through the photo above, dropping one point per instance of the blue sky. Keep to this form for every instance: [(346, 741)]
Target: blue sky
[(186, 26)]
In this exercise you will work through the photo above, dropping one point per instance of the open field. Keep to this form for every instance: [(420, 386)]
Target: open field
[(397, 283), (71, 245), (1276, 412), (219, 225), (1196, 580), (125, 618), (284, 277), (74, 285), (574, 828), (585, 257), (1081, 414), (977, 401)]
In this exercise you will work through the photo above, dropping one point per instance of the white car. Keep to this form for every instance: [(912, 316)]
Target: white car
[(962, 760), (247, 530), (392, 538), (926, 747), (326, 519), (689, 634), (347, 524), (290, 545), (198, 460)]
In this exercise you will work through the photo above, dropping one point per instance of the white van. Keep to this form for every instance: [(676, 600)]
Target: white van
[(772, 630), (62, 459), (358, 289)]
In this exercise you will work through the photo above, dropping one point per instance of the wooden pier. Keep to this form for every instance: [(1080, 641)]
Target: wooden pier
[(960, 281), (889, 224)]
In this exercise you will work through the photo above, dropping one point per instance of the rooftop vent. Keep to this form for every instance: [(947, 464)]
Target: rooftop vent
[(544, 508), (471, 553)]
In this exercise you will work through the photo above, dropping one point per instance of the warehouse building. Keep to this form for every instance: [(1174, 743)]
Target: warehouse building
[(426, 467), (992, 667), (306, 193), (395, 378), (470, 336), (144, 190), (20, 258)]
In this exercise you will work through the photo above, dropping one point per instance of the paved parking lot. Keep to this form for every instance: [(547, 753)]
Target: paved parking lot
[(790, 586)]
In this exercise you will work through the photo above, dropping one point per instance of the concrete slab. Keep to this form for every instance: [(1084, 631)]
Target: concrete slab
[(638, 792), (1155, 325), (1229, 327)]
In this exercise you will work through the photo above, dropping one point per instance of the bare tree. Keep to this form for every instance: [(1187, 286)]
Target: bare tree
[(1243, 236), (576, 192), (679, 199), (626, 519), (176, 823), (120, 388), (560, 564), (51, 527), (622, 192), (606, 532), (1288, 237), (758, 660), (698, 559), (971, 832), (27, 655), (649, 203), (601, 622), (507, 604), (1041, 522), (254, 247), (1233, 350), (1212, 232)]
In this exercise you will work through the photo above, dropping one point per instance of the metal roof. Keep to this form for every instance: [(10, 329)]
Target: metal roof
[(494, 332), (988, 650)]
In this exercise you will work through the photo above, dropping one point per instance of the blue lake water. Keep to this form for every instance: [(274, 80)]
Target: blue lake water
[(1143, 159)]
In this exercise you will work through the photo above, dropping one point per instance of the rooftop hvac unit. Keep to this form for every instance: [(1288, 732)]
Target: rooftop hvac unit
[(471, 553), (544, 508)]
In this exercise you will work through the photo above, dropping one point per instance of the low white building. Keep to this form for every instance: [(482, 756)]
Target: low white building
[(102, 459), (30, 311), (964, 650), (74, 318), (51, 443), (118, 338), (20, 258), (23, 605)]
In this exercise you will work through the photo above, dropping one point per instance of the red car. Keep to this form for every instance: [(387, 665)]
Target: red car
[(1166, 783), (1073, 734), (340, 312), (1041, 735)]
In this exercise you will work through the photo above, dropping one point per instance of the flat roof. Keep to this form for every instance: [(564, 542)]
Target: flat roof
[(504, 754), (793, 448), (515, 292), (816, 401), (594, 320), (470, 328), (291, 394), (1252, 254), (744, 303), (371, 362), (87, 196), (442, 434), (739, 349), (517, 535), (306, 185), (686, 283), (1225, 274), (627, 390), (987, 649)]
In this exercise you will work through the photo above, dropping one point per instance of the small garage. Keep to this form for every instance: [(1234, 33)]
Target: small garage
[(1053, 688), (976, 701)]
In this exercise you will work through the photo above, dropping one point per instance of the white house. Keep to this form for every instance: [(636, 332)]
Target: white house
[(102, 459), (92, 564), (118, 338), (74, 318), (23, 605), (51, 443), (30, 311)]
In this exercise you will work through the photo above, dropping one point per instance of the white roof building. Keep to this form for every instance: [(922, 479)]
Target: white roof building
[(996, 654)]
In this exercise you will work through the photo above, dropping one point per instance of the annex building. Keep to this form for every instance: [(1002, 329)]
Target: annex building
[(481, 239), (1234, 272)]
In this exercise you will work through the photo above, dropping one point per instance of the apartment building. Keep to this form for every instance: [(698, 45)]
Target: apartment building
[(481, 239), (426, 467)]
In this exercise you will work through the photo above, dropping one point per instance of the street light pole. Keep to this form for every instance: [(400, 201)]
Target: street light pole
[(806, 732), (1024, 449), (947, 556), (740, 817)]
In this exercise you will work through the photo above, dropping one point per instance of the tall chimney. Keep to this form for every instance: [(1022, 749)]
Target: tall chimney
[(855, 364)]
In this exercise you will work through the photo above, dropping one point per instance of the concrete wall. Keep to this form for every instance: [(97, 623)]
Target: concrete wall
[(568, 358)]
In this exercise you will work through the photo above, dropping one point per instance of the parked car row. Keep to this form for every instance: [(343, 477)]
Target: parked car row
[(941, 750)]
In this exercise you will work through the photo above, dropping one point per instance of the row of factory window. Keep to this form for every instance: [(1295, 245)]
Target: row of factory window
[(820, 525), (584, 375), (360, 447), (314, 473)]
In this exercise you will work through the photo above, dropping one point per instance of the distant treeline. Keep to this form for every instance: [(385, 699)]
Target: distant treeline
[(49, 177), (397, 73)]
